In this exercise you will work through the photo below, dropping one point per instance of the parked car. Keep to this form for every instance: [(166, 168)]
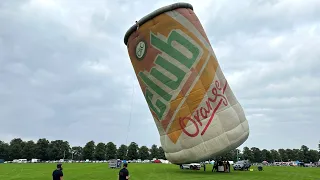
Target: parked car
[(194, 166), (242, 165), (156, 161)]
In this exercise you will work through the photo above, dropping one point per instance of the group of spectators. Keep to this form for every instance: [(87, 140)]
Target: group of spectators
[(221, 166)]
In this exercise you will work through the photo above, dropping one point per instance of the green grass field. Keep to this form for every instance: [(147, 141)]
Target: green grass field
[(151, 172)]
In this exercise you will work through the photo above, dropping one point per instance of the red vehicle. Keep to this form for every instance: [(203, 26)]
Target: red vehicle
[(157, 161)]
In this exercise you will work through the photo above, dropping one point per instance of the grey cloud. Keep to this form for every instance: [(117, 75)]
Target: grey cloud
[(267, 51), (65, 63), (49, 76), (253, 16)]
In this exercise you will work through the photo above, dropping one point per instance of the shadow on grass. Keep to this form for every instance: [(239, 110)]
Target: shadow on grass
[(201, 172)]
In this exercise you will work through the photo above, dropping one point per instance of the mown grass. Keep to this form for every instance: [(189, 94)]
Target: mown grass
[(93, 171)]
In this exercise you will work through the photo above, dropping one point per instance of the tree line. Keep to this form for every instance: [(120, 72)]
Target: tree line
[(58, 149), (254, 154)]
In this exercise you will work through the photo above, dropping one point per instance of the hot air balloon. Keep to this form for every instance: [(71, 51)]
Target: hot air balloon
[(194, 109)]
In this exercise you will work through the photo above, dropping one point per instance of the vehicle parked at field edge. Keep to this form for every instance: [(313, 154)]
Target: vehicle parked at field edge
[(194, 166), (242, 165)]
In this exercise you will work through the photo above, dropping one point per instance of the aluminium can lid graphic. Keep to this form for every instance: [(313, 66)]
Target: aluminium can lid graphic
[(153, 15)]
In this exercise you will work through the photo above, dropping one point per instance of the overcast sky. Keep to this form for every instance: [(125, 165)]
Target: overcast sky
[(65, 72)]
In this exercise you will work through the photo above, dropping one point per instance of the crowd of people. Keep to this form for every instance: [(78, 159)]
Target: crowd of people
[(221, 166)]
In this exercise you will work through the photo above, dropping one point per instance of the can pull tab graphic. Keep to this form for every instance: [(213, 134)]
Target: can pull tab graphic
[(137, 24)]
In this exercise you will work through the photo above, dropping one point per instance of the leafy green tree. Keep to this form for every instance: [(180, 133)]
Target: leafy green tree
[(297, 155), (247, 154), (122, 152), (269, 157), (42, 149), (275, 155), (283, 155), (256, 153), (313, 156), (232, 155), (239, 156), (161, 153), (226, 156), (304, 152), (59, 149), (264, 154), (4, 151), (154, 152), (289, 153), (100, 151), (88, 150), (28, 151), (111, 150), (133, 151), (236, 153), (76, 153), (144, 153), (16, 146), (301, 155)]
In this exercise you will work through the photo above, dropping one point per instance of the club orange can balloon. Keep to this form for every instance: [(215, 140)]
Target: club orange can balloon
[(194, 108)]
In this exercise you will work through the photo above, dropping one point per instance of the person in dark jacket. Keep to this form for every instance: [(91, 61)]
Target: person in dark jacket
[(124, 173), (57, 174)]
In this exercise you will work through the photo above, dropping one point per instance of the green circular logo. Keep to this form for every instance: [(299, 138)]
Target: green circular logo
[(141, 50)]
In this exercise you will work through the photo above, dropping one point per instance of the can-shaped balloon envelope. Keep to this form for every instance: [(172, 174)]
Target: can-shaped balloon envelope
[(195, 111)]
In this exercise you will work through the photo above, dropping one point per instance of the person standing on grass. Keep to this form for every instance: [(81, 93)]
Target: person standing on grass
[(57, 174), (228, 166), (124, 173)]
